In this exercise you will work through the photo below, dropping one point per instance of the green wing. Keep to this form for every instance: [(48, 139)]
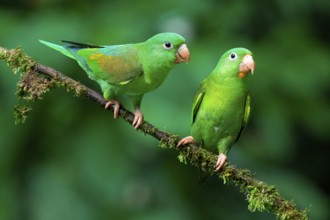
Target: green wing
[(113, 64), (117, 64), (246, 116), (198, 100)]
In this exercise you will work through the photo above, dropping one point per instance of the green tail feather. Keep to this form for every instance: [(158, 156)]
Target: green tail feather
[(59, 48)]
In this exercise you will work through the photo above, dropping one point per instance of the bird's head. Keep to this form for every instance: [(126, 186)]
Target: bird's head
[(169, 48), (237, 62)]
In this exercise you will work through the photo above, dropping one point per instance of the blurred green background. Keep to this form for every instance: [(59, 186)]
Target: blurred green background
[(71, 160)]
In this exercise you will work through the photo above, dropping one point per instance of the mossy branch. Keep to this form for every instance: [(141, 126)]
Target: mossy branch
[(37, 79)]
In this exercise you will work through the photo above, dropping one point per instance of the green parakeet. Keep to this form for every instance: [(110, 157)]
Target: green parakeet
[(221, 108), (128, 69)]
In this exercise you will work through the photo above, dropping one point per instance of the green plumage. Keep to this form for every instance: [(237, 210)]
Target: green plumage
[(132, 69), (221, 108), (129, 69)]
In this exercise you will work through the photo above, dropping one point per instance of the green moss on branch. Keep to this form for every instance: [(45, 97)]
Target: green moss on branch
[(17, 60)]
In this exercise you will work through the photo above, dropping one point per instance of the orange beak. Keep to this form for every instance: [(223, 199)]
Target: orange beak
[(182, 55)]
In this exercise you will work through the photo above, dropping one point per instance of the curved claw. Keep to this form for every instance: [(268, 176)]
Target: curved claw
[(220, 162), (116, 107), (186, 140), (138, 118)]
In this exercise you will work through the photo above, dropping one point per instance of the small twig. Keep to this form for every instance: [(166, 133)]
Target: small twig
[(260, 196)]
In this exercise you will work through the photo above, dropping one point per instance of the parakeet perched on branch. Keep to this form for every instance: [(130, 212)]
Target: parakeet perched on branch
[(221, 108), (128, 69)]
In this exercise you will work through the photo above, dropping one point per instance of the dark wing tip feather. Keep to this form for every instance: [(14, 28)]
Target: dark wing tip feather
[(197, 102), (79, 45)]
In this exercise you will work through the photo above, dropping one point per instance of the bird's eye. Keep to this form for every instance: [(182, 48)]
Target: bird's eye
[(233, 56), (168, 45)]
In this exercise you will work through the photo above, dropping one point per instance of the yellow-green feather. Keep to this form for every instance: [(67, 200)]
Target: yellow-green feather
[(114, 64), (221, 109)]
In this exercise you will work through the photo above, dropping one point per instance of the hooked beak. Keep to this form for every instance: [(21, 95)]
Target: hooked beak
[(246, 66), (182, 55)]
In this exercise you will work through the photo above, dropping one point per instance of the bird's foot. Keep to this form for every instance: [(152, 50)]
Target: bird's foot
[(186, 140), (116, 107), (220, 162), (138, 118)]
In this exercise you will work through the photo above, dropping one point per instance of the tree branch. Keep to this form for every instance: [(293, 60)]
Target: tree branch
[(37, 79)]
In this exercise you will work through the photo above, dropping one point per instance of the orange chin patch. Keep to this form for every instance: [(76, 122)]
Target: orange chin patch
[(242, 74)]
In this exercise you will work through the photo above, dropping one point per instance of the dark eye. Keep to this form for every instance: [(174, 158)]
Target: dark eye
[(168, 45), (233, 56)]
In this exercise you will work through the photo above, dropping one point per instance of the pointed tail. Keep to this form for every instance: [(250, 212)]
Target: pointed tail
[(59, 48)]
